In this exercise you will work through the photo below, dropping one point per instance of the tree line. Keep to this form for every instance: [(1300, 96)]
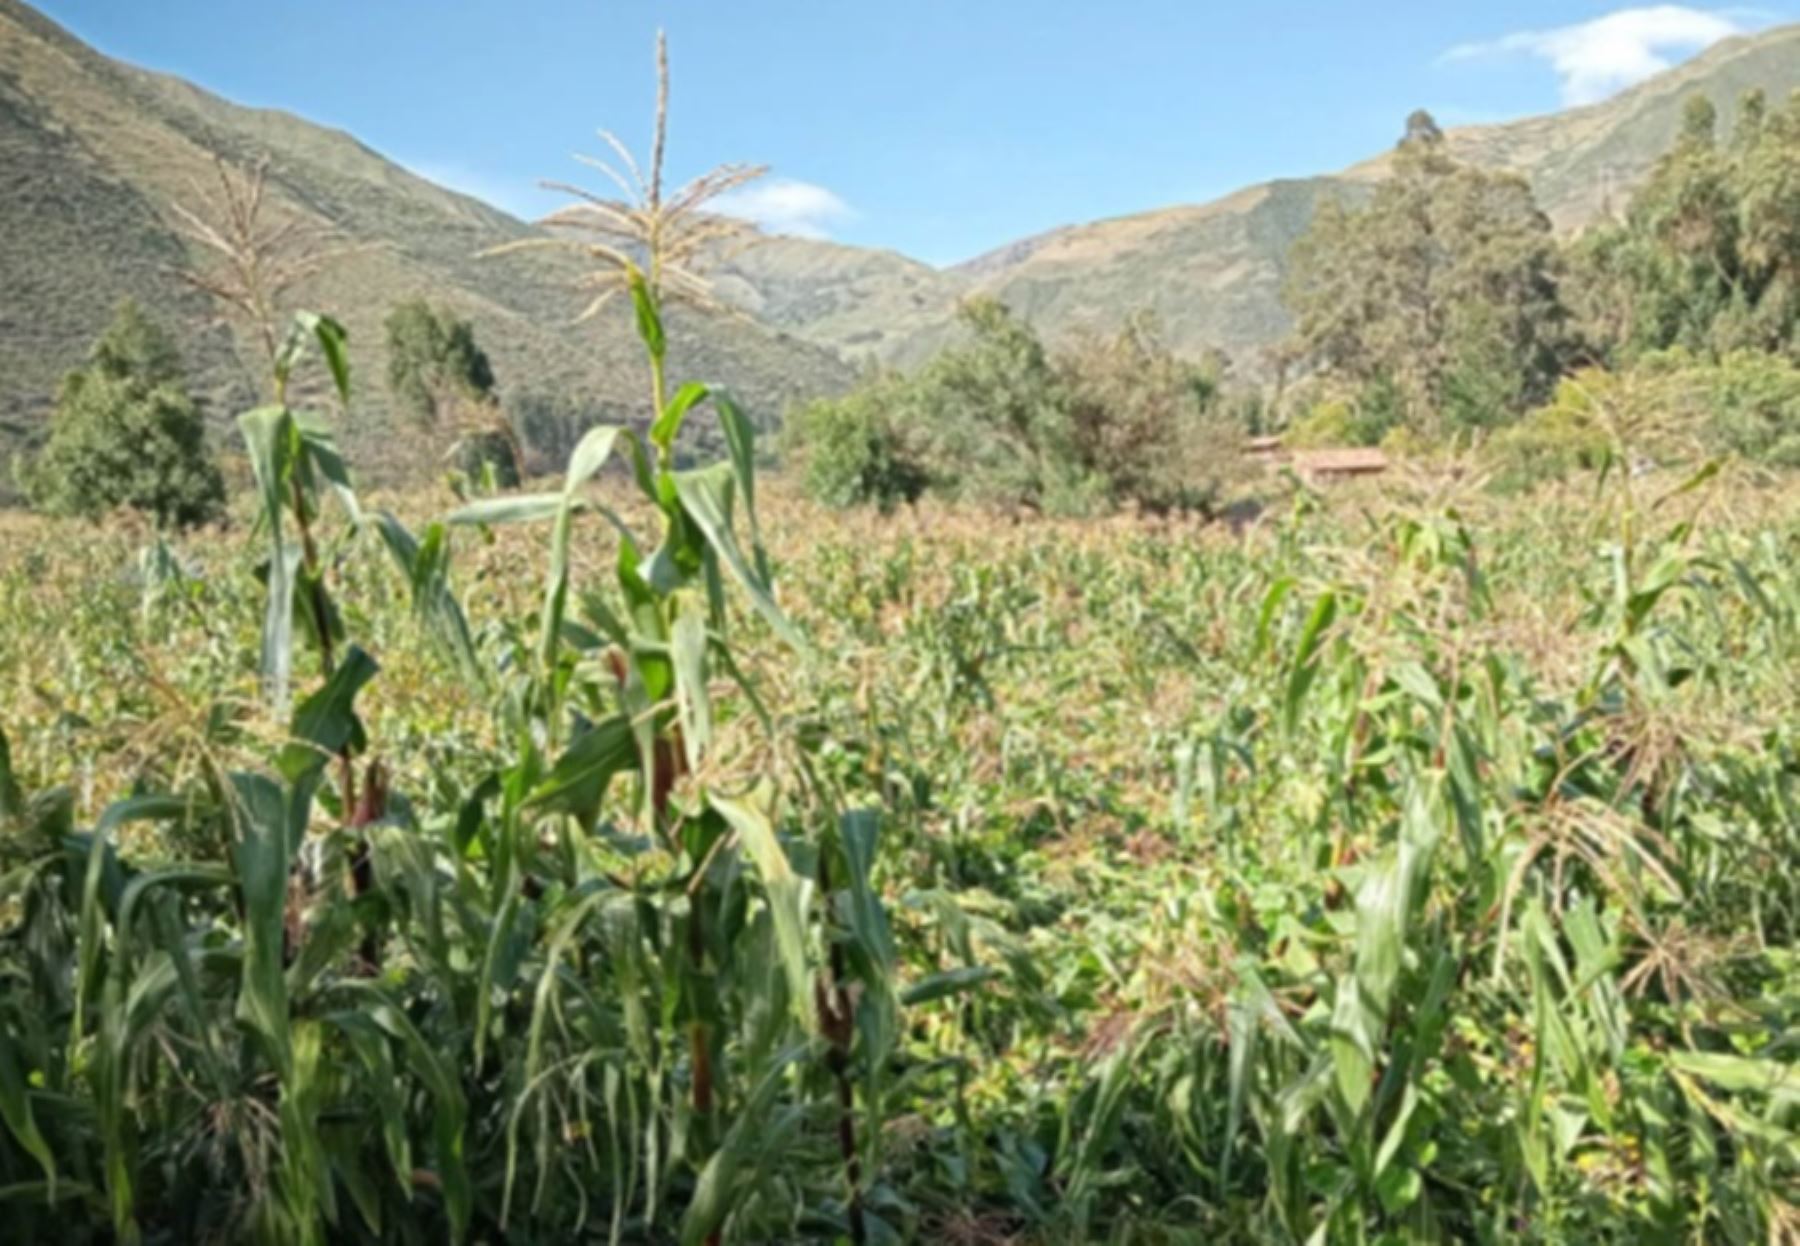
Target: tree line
[(1442, 311)]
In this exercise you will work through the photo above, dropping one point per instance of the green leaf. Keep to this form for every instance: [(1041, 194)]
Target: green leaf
[(1305, 665), (590, 455), (947, 982), (754, 1140), (687, 650), (262, 853), (518, 508), (426, 568), (15, 1111), (318, 444), (99, 856), (649, 320), (860, 829), (326, 722), (1740, 1073), (578, 781), (333, 340), (668, 424), (270, 437), (1265, 617), (787, 894), (706, 497), (12, 800)]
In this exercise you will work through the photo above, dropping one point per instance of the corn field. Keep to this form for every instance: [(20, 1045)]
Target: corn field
[(655, 858)]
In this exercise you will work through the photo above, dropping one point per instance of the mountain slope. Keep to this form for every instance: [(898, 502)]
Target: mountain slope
[(92, 153), (1213, 272)]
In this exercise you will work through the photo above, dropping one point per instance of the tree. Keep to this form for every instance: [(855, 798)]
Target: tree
[(998, 419), (126, 433), (440, 378), (1150, 425), (1444, 285), (862, 448), (1708, 255), (997, 416), (433, 362)]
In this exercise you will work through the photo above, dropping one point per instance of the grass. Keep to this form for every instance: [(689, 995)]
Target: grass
[(1417, 867)]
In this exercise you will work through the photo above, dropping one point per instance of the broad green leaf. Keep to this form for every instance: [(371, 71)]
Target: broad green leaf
[(649, 320), (947, 982), (706, 497), (16, 1112), (687, 650), (590, 455), (668, 424), (333, 343), (99, 855), (270, 436), (326, 722), (1306, 656), (261, 854), (426, 568), (787, 894), (517, 508), (578, 781)]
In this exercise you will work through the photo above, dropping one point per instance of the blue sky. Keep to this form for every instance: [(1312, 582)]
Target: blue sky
[(939, 128)]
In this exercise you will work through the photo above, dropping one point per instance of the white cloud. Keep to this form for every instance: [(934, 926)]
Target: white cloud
[(1595, 58), (785, 206), (497, 192)]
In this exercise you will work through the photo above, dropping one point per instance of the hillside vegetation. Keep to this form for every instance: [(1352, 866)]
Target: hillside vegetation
[(95, 153), (1213, 273)]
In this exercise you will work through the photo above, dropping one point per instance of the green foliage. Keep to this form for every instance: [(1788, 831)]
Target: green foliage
[(1154, 428), (1753, 408), (434, 363), (1403, 874), (1565, 435), (439, 377), (1669, 407), (867, 447), (126, 433), (1001, 421), (1708, 255), (1362, 418), (1444, 284)]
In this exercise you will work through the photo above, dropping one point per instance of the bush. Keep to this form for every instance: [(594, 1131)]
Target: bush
[(1753, 405), (1360, 418), (1110, 421), (1668, 407), (857, 450), (1148, 425), (1563, 436), (126, 433)]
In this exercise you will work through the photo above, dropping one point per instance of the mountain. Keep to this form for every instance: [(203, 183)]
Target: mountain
[(92, 154), (1213, 272)]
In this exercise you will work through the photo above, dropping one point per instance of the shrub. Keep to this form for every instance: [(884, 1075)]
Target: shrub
[(126, 433), (1753, 408), (1360, 418), (857, 450), (1000, 420), (1149, 425)]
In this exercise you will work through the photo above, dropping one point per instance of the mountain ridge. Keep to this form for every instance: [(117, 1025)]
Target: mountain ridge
[(93, 151), (1581, 162), (92, 154)]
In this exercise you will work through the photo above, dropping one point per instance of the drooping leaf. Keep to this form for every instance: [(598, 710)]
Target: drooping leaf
[(787, 893), (578, 781), (706, 497)]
